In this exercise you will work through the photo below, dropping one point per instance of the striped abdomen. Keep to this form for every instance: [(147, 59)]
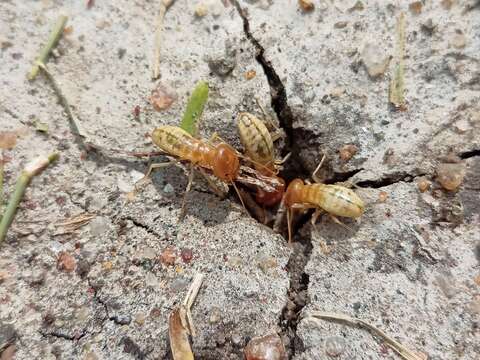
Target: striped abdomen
[(177, 142), (256, 140), (334, 199)]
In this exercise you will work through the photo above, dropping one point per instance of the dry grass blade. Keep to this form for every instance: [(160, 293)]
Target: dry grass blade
[(395, 345), (164, 5), (75, 222), (180, 323), (397, 83), (178, 335)]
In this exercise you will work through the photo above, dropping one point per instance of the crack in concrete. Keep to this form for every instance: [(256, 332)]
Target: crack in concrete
[(61, 335), (390, 180), (143, 226), (469, 154), (299, 279)]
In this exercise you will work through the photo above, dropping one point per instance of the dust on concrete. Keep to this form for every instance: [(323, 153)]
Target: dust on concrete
[(409, 266)]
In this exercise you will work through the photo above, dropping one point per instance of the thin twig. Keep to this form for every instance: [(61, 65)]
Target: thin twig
[(53, 38), (395, 345), (1, 186), (397, 83), (164, 5), (32, 169), (63, 101)]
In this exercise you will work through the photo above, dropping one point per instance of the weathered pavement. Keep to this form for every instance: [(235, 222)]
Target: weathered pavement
[(410, 266)]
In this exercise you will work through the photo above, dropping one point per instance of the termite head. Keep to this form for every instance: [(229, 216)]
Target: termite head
[(226, 164), (270, 198), (293, 192)]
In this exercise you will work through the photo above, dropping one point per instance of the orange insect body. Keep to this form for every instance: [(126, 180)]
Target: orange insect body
[(221, 158), (270, 198), (334, 199)]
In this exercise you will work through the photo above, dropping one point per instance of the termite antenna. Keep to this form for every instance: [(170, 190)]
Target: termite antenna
[(289, 225), (239, 196)]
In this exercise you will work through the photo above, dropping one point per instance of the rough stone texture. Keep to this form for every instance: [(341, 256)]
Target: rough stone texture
[(409, 266), (116, 302), (314, 58)]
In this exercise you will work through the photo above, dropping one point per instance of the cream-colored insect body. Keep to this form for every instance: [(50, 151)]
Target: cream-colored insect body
[(258, 144), (335, 200), (221, 159), (257, 141)]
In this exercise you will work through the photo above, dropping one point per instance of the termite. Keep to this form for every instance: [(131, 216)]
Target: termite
[(335, 200), (221, 158), (258, 144)]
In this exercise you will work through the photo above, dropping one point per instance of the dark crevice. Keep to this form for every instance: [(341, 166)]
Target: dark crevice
[(388, 180), (469, 154), (341, 176), (61, 335), (299, 279), (143, 226), (294, 167)]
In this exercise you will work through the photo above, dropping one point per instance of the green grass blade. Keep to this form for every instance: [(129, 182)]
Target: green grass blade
[(195, 107)]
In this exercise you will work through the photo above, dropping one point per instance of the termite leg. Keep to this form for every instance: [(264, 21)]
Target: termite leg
[(315, 216), (191, 175), (335, 219), (289, 224), (270, 124), (221, 194), (152, 167), (280, 216), (239, 196), (290, 217), (285, 158), (314, 175)]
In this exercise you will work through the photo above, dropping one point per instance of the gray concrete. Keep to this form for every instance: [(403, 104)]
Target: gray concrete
[(409, 266)]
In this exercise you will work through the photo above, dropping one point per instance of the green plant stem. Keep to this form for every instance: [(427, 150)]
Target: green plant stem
[(23, 180), (195, 107), (1, 188), (53, 38)]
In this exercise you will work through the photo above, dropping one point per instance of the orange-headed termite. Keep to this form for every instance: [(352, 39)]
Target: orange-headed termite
[(221, 158), (336, 200)]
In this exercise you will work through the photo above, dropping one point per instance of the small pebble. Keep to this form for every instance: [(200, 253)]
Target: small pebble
[(187, 255), (168, 189), (306, 5), (123, 319), (374, 59), (201, 10), (168, 256), (382, 196), (347, 152), (450, 176), (99, 226), (215, 315), (250, 74), (140, 319), (334, 346), (415, 7), (65, 262), (162, 98), (269, 347), (237, 340), (340, 24), (458, 40), (423, 184)]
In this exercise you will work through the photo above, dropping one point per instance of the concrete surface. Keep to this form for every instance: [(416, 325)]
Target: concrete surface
[(411, 264)]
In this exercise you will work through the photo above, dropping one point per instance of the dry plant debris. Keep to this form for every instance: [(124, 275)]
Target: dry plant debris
[(401, 350)]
